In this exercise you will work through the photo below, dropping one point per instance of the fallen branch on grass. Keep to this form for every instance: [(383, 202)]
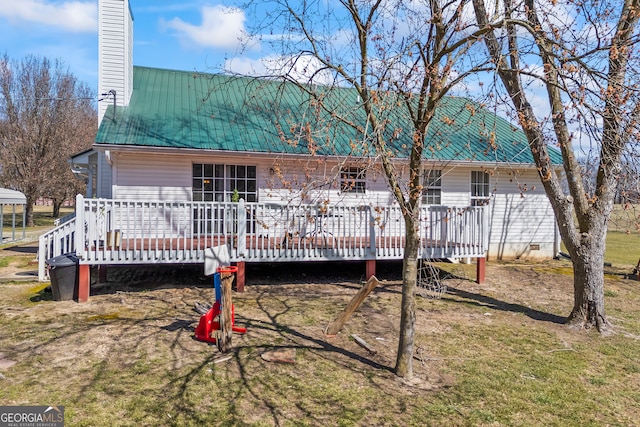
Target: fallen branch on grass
[(353, 305), (363, 343)]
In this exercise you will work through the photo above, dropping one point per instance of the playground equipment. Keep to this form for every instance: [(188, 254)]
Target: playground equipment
[(218, 324)]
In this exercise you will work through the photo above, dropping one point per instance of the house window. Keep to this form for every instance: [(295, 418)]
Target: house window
[(479, 188), (432, 187), (217, 182), (353, 180)]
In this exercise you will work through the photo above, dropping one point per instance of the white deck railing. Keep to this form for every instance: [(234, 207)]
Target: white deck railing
[(107, 231), (58, 241)]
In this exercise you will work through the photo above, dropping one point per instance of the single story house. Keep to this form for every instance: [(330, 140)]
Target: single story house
[(185, 161)]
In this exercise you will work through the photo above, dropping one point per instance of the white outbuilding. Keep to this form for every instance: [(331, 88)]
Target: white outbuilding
[(10, 201)]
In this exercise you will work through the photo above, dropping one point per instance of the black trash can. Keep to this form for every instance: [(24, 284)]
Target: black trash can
[(63, 271)]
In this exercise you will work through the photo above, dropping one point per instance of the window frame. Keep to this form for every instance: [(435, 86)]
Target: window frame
[(480, 189), (432, 187), (216, 182), (353, 180)]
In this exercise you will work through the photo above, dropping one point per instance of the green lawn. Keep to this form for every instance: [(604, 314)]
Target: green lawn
[(42, 216), (622, 248), (623, 239)]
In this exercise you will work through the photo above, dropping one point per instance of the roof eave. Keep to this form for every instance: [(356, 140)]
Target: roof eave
[(259, 154)]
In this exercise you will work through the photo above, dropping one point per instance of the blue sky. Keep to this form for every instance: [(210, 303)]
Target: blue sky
[(190, 35), (193, 35)]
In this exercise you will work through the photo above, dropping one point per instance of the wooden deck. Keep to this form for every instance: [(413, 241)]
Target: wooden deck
[(123, 232)]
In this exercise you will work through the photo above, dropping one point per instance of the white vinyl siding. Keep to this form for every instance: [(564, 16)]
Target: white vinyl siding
[(521, 223), (146, 177), (115, 57), (104, 177), (281, 184), (519, 220)]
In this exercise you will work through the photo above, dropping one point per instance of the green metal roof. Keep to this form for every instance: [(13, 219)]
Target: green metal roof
[(188, 110)]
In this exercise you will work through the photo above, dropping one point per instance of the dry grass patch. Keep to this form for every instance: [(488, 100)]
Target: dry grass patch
[(496, 354)]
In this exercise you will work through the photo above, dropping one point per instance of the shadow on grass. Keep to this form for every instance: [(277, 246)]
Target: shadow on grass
[(144, 278), (42, 295), (254, 383), (183, 378), (495, 304), (21, 249)]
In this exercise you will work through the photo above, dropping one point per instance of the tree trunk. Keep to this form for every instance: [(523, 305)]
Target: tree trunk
[(404, 361), (223, 340), (29, 212), (56, 208), (582, 219), (588, 285)]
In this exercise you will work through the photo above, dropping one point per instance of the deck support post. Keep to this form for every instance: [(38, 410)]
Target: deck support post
[(240, 276), (102, 274), (481, 264), (84, 282), (370, 268)]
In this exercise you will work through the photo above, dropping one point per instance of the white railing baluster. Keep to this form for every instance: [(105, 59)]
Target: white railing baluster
[(124, 231), (79, 231), (241, 214)]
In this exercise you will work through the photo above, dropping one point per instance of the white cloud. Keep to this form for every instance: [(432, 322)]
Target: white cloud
[(141, 7), (221, 27), (71, 16), (304, 68), (246, 66)]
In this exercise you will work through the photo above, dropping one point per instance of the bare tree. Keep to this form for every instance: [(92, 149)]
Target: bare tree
[(401, 58), (629, 185), (584, 56), (46, 115)]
